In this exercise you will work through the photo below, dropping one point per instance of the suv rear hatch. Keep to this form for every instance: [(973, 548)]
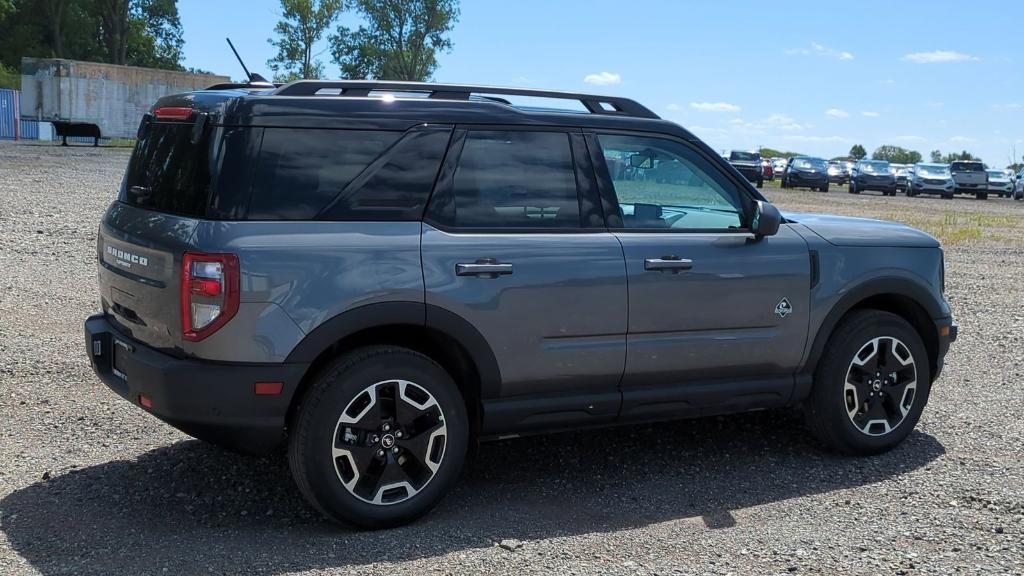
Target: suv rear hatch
[(144, 235), (969, 173)]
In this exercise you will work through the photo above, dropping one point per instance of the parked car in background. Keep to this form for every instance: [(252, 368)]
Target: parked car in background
[(748, 164), (837, 173), (970, 177), (928, 178), (900, 171), (1018, 186), (872, 175), (779, 165), (806, 172), (1000, 182)]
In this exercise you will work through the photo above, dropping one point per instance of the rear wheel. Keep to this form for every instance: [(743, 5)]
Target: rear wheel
[(825, 188), (853, 189), (380, 437), (760, 182), (981, 195), (871, 384), (947, 195)]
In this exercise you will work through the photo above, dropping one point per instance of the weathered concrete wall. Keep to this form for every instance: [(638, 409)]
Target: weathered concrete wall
[(112, 97)]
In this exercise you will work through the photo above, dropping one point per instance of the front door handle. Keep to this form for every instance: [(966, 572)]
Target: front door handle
[(486, 267), (673, 263)]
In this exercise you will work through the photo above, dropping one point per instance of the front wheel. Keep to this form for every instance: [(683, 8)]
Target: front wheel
[(871, 384), (981, 195), (379, 438), (760, 182)]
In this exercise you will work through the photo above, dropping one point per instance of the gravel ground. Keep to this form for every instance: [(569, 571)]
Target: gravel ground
[(91, 485)]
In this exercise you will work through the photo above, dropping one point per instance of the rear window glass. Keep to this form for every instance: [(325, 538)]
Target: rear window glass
[(301, 171), (744, 156), (167, 173), (967, 167)]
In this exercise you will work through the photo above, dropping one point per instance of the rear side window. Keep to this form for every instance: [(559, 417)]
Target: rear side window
[(397, 185), (515, 179), (301, 171), (167, 172)]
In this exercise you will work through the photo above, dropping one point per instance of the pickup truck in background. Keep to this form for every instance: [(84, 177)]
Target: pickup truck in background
[(970, 177), (749, 164)]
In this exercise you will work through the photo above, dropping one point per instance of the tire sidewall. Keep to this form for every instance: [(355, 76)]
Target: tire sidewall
[(831, 376), (344, 383)]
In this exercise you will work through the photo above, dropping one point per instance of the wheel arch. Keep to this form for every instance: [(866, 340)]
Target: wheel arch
[(900, 296), (444, 336)]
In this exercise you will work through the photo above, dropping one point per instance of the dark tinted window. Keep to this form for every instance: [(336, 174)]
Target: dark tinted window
[(516, 180), (168, 173), (301, 171), (967, 167), (397, 186), (744, 156)]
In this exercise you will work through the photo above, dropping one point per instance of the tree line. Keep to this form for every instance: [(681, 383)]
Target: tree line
[(394, 39), (900, 155)]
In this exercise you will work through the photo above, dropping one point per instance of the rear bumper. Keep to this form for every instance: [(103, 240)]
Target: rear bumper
[(213, 401), (751, 173)]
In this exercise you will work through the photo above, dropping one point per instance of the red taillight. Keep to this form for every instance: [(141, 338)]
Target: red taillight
[(268, 388), (173, 113), (209, 293), (145, 401)]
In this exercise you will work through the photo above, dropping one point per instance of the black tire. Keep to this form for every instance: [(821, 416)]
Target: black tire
[(853, 189), (981, 195), (760, 182), (826, 410), (316, 434), (947, 195), (825, 188)]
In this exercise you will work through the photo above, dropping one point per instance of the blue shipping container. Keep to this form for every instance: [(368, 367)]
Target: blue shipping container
[(29, 129), (10, 128)]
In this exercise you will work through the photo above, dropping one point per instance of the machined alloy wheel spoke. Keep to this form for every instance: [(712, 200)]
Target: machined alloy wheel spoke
[(389, 442), (880, 386)]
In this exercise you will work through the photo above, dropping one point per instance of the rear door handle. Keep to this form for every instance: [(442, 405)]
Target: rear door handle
[(673, 263), (487, 267)]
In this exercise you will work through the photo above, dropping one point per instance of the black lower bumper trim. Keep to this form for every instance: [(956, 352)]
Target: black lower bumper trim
[(213, 401)]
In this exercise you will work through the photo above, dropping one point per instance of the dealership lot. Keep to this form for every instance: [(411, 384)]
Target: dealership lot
[(91, 485)]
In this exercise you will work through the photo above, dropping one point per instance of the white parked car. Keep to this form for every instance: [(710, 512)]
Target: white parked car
[(1000, 182)]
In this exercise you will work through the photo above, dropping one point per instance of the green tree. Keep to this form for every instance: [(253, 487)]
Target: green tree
[(857, 152), (936, 156), (896, 154), (303, 23), (132, 32), (400, 41), (954, 157), (773, 153)]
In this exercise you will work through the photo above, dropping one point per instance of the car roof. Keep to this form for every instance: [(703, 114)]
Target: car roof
[(362, 104)]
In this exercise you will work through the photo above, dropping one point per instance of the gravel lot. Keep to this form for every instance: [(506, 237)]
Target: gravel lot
[(91, 485)]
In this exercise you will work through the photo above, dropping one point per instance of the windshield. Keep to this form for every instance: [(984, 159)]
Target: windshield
[(809, 164), (744, 156), (932, 170), (875, 167), (997, 174)]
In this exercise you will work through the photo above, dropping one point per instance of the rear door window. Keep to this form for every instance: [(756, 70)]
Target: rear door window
[(168, 173), (301, 171), (515, 179)]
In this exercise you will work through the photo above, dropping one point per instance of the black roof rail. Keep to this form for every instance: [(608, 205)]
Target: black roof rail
[(612, 105)]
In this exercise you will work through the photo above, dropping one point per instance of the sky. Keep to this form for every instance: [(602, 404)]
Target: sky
[(800, 76)]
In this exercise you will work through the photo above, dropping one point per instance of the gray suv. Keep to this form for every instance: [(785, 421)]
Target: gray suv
[(378, 275)]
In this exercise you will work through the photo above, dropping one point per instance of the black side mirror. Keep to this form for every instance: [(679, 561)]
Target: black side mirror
[(767, 219)]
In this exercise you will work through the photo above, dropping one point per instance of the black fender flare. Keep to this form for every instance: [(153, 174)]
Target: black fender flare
[(384, 314), (901, 286)]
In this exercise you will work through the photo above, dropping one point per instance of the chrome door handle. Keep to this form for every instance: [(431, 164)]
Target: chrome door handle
[(673, 263), (484, 267)]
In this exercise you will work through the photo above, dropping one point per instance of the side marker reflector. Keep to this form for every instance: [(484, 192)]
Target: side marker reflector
[(268, 388), (146, 401)]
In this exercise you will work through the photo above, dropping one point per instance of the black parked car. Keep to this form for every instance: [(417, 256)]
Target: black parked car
[(806, 172), (748, 164), (872, 175)]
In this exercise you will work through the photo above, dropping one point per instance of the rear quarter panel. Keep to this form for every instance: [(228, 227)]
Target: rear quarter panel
[(298, 274)]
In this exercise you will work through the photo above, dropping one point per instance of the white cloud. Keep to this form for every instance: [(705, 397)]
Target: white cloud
[(714, 107), (937, 56), (837, 113), (673, 107), (870, 114), (820, 50), (603, 79), (962, 140), (778, 119), (804, 138), (910, 138)]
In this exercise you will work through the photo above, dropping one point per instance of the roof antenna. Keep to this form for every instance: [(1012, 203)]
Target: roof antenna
[(253, 78)]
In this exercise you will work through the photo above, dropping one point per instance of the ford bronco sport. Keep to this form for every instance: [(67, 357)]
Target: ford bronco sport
[(380, 274)]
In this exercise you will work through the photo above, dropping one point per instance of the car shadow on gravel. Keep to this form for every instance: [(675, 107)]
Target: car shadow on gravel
[(192, 508)]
